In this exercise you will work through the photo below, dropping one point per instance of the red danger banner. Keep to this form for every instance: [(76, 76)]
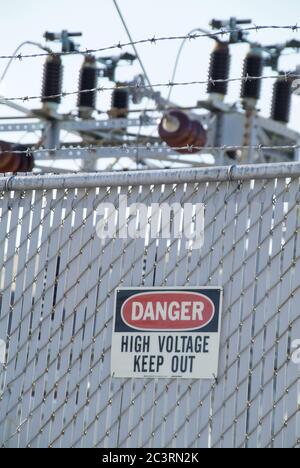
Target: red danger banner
[(159, 311), (165, 333)]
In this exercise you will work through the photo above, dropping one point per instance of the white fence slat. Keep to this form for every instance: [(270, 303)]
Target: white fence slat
[(7, 273), (271, 314), (280, 414), (249, 286)]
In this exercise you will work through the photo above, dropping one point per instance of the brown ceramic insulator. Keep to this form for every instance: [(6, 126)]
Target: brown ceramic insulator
[(197, 139), (119, 103), (186, 132), (8, 162), (26, 164), (14, 162), (282, 100), (219, 70), (4, 155), (88, 80), (52, 80), (175, 136), (26, 160)]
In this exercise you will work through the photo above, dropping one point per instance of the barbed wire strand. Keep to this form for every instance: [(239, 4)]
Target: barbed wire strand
[(155, 40), (138, 86), (152, 148)]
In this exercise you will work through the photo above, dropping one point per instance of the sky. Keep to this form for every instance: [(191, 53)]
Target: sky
[(98, 21)]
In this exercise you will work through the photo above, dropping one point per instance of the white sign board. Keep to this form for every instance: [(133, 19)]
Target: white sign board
[(166, 333)]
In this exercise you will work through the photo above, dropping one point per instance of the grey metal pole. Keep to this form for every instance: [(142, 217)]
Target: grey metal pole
[(156, 177)]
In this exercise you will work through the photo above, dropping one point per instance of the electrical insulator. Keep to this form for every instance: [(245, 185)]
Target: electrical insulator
[(253, 67), (178, 130), (27, 160), (219, 70), (12, 161), (52, 81), (88, 80), (282, 99), (120, 103)]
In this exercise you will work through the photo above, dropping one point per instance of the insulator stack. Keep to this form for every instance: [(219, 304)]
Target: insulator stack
[(88, 80), (52, 81), (12, 161), (178, 130), (282, 100), (251, 88), (219, 70), (120, 103)]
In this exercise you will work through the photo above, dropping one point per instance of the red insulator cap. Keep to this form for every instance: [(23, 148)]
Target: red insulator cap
[(178, 130)]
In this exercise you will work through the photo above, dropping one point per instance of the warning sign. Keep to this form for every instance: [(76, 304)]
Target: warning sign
[(165, 333)]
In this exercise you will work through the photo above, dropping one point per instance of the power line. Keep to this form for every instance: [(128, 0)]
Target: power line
[(155, 40), (177, 60), (15, 55), (132, 42)]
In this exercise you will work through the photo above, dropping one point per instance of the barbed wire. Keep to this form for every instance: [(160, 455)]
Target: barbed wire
[(152, 147), (155, 40), (138, 86)]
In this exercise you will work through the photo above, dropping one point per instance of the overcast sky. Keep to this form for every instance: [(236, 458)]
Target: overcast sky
[(98, 21)]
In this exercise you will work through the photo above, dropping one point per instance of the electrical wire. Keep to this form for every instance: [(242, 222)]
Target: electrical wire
[(193, 31), (132, 42), (15, 54)]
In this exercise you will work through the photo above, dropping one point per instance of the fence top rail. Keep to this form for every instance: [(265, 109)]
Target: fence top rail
[(18, 182)]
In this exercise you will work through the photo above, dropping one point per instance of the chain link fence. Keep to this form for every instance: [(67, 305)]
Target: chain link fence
[(57, 281)]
